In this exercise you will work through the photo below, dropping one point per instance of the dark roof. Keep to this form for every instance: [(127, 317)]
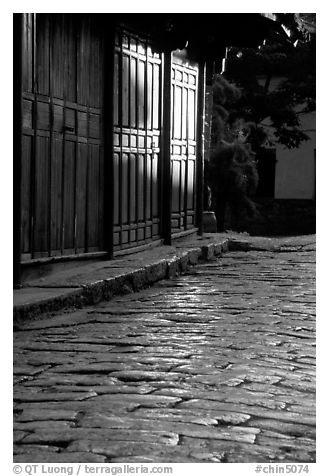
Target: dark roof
[(205, 33)]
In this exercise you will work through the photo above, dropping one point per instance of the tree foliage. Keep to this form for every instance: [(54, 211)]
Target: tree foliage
[(249, 113), (232, 171), (274, 109)]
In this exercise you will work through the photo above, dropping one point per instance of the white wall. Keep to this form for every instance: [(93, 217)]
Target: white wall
[(295, 168)]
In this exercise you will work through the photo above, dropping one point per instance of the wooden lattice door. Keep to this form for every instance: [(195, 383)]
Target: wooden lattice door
[(183, 143), (62, 144), (136, 161)]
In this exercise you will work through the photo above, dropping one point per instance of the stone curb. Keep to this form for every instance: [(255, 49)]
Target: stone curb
[(128, 282)]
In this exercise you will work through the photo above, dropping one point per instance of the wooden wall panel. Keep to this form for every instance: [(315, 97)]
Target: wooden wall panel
[(156, 96), (99, 69), (83, 60), (140, 186), (57, 56), (63, 170), (191, 185), (133, 91), (101, 201), (81, 196), (148, 185), (69, 196), (116, 186), (125, 91), (191, 114), (43, 116), (43, 54), (184, 116), (132, 188), (116, 90), (182, 187), (41, 187), (141, 93), (57, 118), (95, 126), (56, 196), (176, 179), (124, 188), (155, 185), (26, 194), (93, 201), (27, 112), (70, 49), (28, 52), (177, 119), (149, 102), (96, 68)]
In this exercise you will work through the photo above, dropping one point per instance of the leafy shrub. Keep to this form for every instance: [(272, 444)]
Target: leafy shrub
[(233, 178), (232, 171)]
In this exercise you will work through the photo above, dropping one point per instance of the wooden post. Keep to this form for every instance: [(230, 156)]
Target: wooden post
[(18, 19), (200, 147), (109, 36), (166, 197)]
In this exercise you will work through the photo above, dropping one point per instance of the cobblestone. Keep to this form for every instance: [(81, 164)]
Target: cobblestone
[(217, 365)]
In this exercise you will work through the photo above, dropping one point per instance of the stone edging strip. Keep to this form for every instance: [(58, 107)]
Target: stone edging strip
[(130, 281)]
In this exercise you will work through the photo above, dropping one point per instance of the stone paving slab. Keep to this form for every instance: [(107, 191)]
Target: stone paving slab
[(216, 365), (94, 282)]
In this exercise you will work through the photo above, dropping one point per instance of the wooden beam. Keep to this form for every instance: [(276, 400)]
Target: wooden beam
[(200, 147), (109, 36), (18, 19), (166, 191)]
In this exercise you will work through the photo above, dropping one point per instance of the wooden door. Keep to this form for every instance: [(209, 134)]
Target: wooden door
[(136, 160), (183, 143), (62, 143)]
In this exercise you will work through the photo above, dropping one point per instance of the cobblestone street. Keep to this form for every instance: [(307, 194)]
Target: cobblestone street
[(217, 365)]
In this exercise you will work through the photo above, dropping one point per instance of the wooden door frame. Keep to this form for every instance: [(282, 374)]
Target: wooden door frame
[(108, 124), (200, 142), (166, 186), (18, 19)]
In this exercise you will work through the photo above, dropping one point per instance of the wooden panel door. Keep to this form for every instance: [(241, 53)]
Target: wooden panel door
[(183, 143), (62, 153), (137, 99)]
